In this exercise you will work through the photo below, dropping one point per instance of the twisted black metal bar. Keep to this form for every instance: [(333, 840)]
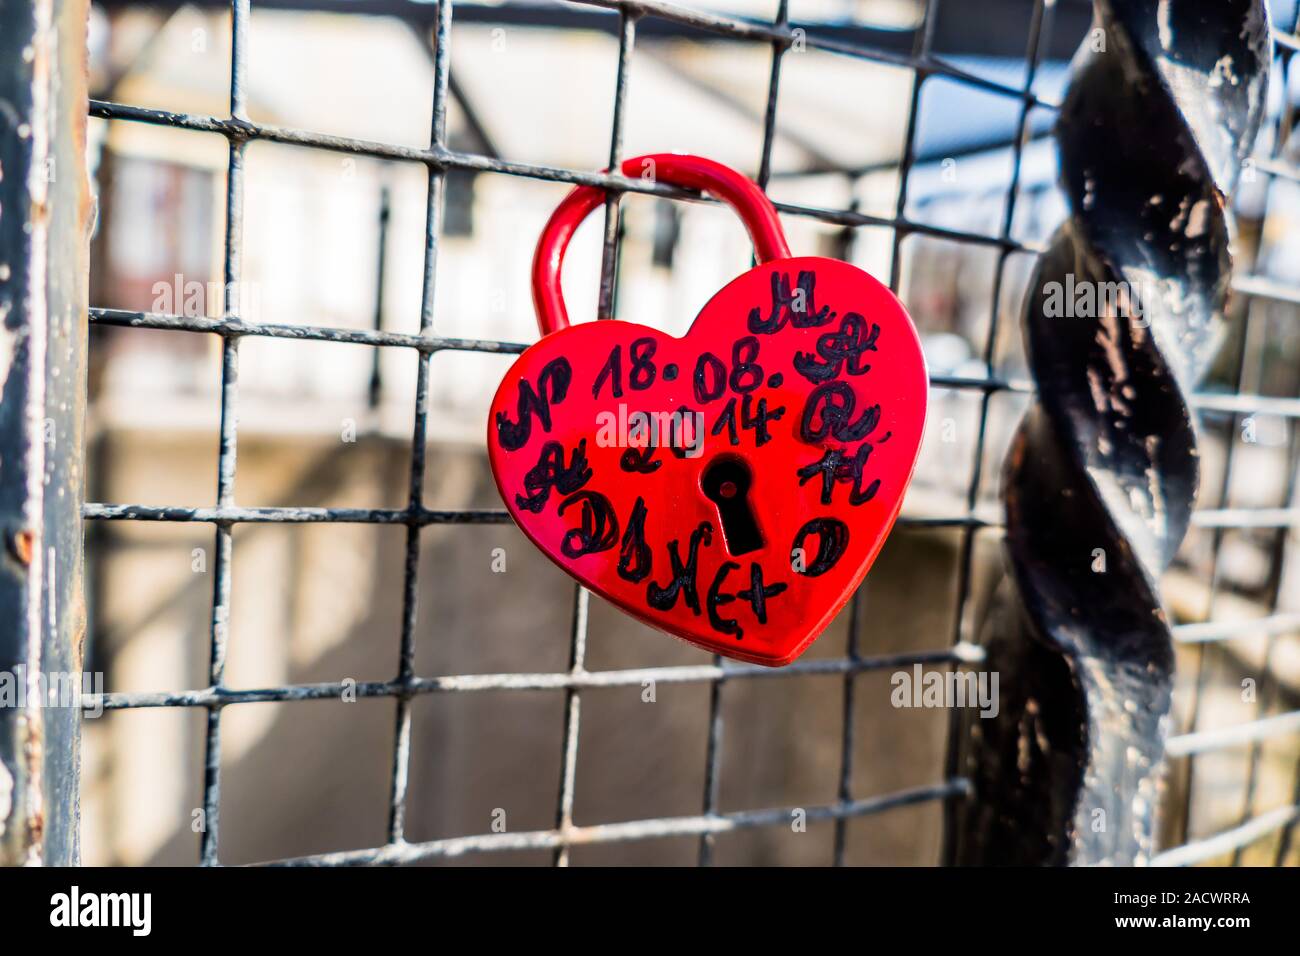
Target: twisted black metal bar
[(1121, 320)]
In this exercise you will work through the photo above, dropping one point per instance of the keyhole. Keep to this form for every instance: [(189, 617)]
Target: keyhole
[(726, 483)]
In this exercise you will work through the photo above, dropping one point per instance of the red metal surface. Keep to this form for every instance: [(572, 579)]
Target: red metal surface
[(679, 169), (780, 435)]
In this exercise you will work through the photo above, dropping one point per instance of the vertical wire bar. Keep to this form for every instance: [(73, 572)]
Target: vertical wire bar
[(848, 702), (713, 747), (848, 737), (712, 760), (572, 724), (921, 46), (1039, 29), (920, 54), (605, 310), (610, 246), (221, 579), (381, 267), (411, 571), (773, 91)]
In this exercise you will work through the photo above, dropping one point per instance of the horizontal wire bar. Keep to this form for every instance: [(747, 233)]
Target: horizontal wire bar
[(1262, 287), (924, 65), (288, 515), (242, 130), (1276, 167), (649, 829), (390, 516), (980, 384), (99, 511), (1247, 404), (1246, 517), (96, 511), (235, 327), (1221, 737), (1229, 840), (168, 322), (1206, 631), (848, 217), (563, 680), (1280, 37)]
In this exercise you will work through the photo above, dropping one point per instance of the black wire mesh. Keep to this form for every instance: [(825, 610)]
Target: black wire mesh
[(1219, 410)]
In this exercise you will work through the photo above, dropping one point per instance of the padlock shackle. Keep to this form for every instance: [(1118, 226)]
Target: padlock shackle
[(676, 169)]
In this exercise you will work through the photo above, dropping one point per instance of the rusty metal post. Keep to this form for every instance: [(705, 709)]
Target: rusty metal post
[(44, 253)]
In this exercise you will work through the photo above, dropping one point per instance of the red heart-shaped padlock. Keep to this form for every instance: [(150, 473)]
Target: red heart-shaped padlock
[(732, 486)]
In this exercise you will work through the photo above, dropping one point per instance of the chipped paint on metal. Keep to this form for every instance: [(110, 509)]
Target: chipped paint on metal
[(44, 240)]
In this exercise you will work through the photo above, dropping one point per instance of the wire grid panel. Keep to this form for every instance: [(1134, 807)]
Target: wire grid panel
[(1253, 359), (437, 158)]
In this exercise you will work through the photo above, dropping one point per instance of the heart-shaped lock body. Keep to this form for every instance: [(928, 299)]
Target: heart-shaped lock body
[(733, 486)]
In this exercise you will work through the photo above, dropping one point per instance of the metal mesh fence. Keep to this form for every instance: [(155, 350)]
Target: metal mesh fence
[(1255, 317)]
